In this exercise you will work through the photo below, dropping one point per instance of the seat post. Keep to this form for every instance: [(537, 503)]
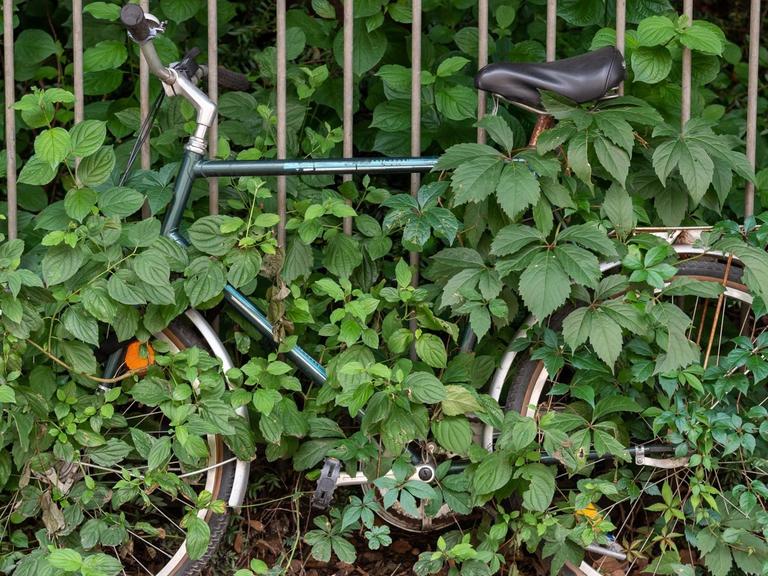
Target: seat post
[(544, 122)]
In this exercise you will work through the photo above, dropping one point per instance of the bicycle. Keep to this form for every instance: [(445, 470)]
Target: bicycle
[(586, 78)]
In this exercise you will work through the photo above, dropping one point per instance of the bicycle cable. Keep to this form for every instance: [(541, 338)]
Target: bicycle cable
[(146, 126)]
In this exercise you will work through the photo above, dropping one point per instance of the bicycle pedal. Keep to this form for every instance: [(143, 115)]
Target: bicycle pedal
[(326, 484)]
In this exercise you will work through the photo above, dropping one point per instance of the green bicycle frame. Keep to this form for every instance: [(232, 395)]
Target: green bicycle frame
[(194, 166)]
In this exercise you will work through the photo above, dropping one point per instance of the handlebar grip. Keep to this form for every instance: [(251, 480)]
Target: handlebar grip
[(232, 80), (132, 17)]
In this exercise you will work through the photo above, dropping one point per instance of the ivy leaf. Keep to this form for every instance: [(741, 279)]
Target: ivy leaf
[(614, 159), (589, 236), (480, 321), (582, 266), (576, 327), (544, 285), (578, 157), (458, 154), (696, 168), (499, 131), (605, 337), (518, 188), (476, 180), (513, 238)]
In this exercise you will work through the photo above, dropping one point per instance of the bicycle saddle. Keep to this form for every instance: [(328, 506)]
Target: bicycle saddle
[(581, 78)]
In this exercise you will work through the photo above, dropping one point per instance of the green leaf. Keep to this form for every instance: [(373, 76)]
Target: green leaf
[(152, 267), (159, 453), (605, 337), (513, 238), (53, 145), (614, 159), (493, 473), (460, 153), (430, 349), (544, 286), (180, 10), (96, 168), (655, 31), (576, 327), (451, 65), (651, 64), (369, 47), (37, 171), (459, 400), (618, 207), (696, 168), (518, 188), (79, 202), (591, 237), (81, 325), (198, 537), (65, 559), (613, 404), (342, 255), (425, 388), (7, 396), (105, 55), (718, 561), (499, 131), (205, 235), (101, 564), (244, 266), (120, 202), (456, 102), (204, 279), (103, 10), (87, 137), (703, 37), (61, 262), (582, 266), (578, 157), (541, 489), (480, 321), (476, 180), (453, 433), (79, 356)]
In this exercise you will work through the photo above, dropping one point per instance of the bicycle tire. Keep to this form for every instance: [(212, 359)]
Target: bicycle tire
[(182, 334), (530, 374)]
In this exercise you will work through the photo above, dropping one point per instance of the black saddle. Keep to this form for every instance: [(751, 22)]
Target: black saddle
[(581, 78)]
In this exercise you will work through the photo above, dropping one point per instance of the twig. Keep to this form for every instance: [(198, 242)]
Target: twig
[(94, 378)]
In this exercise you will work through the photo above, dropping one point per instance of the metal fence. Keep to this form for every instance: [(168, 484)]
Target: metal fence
[(348, 83)]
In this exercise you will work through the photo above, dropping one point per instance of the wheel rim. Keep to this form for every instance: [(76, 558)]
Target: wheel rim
[(735, 296)]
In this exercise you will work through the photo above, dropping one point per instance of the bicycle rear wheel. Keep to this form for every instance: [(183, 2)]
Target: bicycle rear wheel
[(529, 392)]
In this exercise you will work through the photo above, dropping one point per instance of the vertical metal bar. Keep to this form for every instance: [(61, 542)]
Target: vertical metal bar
[(146, 153), (482, 60), (9, 79), (685, 105), (752, 85), (551, 29), (213, 94), (415, 112), (77, 57), (281, 120), (349, 76), (621, 30)]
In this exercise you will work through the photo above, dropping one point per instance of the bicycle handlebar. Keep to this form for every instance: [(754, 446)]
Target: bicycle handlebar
[(132, 17)]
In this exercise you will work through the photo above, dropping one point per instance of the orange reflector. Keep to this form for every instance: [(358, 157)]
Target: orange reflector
[(139, 355), (589, 512)]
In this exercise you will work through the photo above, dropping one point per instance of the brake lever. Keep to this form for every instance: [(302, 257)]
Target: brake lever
[(188, 66)]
